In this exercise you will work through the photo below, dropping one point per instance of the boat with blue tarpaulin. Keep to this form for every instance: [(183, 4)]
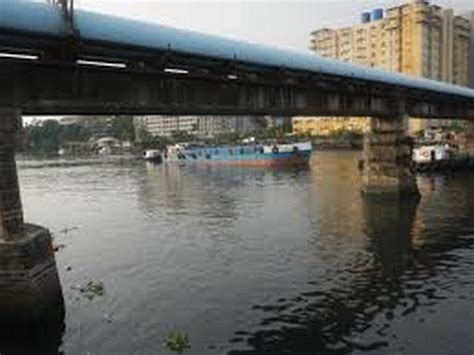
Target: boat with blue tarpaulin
[(255, 154)]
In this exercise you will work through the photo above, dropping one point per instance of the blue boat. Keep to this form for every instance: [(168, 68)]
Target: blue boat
[(255, 155)]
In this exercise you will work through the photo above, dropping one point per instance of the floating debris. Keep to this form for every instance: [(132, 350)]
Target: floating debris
[(58, 247), (108, 318), (55, 245), (177, 342), (91, 290), (66, 229)]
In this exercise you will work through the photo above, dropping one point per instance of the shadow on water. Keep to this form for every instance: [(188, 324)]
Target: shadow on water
[(32, 307), (392, 278), (45, 337)]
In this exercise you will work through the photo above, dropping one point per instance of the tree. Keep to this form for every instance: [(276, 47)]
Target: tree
[(262, 122), (123, 128), (44, 136), (181, 136), (74, 133), (147, 141)]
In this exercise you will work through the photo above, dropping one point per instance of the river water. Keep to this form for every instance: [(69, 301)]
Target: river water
[(249, 261)]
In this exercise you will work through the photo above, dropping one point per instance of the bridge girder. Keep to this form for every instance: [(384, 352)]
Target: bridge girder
[(70, 88)]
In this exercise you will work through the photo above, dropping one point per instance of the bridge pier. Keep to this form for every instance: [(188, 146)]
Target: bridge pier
[(387, 159), (467, 143), (30, 290)]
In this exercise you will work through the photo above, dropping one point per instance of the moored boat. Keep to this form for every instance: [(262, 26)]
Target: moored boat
[(439, 157), (264, 155), (152, 155)]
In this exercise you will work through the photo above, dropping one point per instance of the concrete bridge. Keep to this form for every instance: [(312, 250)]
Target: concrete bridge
[(56, 61)]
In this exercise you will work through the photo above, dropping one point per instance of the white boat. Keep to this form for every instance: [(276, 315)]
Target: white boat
[(152, 155), (434, 153)]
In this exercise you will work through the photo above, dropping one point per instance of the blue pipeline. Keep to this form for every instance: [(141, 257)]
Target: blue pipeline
[(42, 18)]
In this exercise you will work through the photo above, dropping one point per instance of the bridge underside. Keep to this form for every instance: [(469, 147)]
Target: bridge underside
[(41, 88)]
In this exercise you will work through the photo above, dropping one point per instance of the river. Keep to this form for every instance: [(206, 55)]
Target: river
[(253, 261)]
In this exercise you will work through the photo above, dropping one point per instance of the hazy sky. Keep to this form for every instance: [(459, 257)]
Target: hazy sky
[(275, 22)]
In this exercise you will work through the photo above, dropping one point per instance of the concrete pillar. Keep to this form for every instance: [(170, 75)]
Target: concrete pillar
[(30, 291), (11, 214), (387, 159), (467, 139)]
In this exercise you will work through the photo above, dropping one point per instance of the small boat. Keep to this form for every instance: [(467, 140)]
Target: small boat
[(439, 157), (433, 152), (254, 154), (152, 155)]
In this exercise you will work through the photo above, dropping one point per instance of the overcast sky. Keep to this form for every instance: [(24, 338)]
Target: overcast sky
[(284, 23)]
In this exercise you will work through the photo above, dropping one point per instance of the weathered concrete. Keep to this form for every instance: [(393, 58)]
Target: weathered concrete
[(387, 162), (11, 215), (467, 139), (30, 290), (29, 282)]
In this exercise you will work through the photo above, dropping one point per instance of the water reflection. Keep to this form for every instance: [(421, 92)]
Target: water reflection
[(332, 320), (258, 261), (397, 275), (204, 191), (388, 227)]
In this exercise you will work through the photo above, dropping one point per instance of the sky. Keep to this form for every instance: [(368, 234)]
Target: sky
[(282, 23)]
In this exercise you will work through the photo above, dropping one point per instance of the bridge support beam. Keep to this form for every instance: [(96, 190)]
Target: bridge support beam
[(387, 162), (30, 291)]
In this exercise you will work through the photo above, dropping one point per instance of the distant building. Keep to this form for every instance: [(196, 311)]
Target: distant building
[(325, 126), (211, 126), (277, 121), (471, 51), (416, 38), (246, 124), (203, 126), (165, 126)]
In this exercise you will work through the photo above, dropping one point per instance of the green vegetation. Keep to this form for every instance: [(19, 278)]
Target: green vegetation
[(44, 137), (122, 128), (49, 135), (147, 141), (347, 134), (181, 136), (276, 132), (177, 342), (91, 290), (228, 138)]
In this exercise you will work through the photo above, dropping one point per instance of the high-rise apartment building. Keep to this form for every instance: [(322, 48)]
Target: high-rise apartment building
[(470, 15), (165, 125), (416, 38)]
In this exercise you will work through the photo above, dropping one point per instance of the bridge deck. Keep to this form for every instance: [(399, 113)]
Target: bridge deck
[(43, 20)]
